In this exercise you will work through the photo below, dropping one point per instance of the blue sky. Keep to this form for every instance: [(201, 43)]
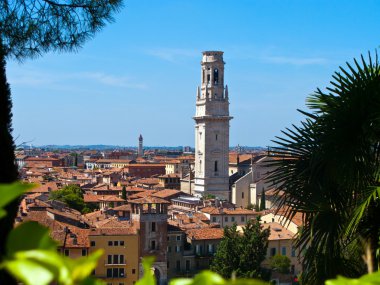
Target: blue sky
[(140, 73)]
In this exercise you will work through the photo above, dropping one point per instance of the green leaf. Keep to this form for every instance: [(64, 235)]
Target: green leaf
[(368, 279), (208, 278), (10, 192), (29, 272), (28, 236), (82, 267), (181, 281), (148, 277)]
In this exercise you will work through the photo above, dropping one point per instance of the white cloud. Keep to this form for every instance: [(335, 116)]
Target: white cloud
[(172, 54), (111, 80), (52, 80)]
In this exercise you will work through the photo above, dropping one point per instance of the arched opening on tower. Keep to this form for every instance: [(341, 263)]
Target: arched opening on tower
[(157, 274), (216, 76), (216, 166)]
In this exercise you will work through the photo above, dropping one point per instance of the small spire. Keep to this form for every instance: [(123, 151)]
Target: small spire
[(198, 93), (226, 92)]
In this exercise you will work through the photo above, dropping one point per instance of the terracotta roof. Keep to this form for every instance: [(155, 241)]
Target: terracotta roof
[(149, 200), (125, 207), (148, 181), (205, 233), (78, 238), (113, 231), (88, 198), (278, 232), (141, 194), (45, 188), (166, 193)]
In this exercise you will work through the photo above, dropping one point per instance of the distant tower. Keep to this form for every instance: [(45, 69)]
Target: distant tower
[(212, 129), (140, 152)]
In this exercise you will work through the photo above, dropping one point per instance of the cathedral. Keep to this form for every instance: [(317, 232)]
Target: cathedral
[(212, 129)]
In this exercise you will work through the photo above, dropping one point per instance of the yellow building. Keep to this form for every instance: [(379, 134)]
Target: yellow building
[(120, 263)]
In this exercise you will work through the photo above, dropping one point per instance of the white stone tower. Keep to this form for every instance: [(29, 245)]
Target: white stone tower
[(212, 129), (140, 152)]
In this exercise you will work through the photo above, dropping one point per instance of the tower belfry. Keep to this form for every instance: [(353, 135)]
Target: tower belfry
[(140, 151), (212, 129)]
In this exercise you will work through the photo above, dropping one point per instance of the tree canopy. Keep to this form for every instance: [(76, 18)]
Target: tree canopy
[(29, 28), (71, 195), (328, 169), (241, 253)]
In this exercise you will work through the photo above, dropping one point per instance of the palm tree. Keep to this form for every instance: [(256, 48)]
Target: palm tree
[(328, 169)]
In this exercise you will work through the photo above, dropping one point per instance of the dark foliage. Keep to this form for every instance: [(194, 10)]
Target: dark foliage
[(328, 169)]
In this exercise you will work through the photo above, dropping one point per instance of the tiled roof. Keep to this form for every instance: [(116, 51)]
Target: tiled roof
[(113, 231), (278, 232), (166, 193), (205, 233), (45, 188), (149, 200)]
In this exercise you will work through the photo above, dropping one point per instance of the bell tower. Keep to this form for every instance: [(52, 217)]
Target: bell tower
[(212, 129)]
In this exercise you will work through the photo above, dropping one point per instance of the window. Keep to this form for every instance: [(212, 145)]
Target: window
[(226, 219), (109, 272), (133, 271), (197, 249), (216, 76), (115, 259), (178, 248), (293, 251), (153, 226), (121, 243), (169, 249), (216, 166), (109, 259), (242, 219), (121, 272), (242, 195), (116, 243), (216, 137), (208, 78), (110, 243), (214, 219), (283, 250), (92, 243), (232, 219), (292, 269), (121, 259), (178, 237), (67, 252), (167, 264), (273, 251), (84, 252), (178, 265), (187, 265), (153, 244)]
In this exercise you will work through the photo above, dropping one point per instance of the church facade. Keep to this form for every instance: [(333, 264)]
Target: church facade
[(212, 129)]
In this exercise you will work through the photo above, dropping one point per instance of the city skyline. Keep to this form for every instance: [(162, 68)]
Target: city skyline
[(139, 75)]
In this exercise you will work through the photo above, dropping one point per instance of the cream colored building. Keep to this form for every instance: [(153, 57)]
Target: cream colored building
[(248, 188), (119, 265), (212, 129)]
